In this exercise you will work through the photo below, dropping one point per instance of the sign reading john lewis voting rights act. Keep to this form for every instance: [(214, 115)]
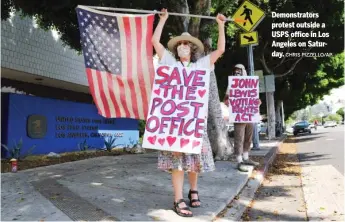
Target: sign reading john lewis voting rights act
[(178, 108), (244, 99)]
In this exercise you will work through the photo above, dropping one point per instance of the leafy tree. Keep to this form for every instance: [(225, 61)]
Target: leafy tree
[(62, 17), (313, 118), (290, 121), (340, 112), (308, 87), (300, 81), (334, 117)]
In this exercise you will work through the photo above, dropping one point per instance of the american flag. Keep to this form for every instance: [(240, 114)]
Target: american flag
[(118, 60)]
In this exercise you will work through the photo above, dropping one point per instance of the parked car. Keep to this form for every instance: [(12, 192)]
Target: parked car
[(312, 126), (330, 124), (301, 127)]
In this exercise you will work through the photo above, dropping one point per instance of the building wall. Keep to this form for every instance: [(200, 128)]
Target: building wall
[(26, 48), (51, 125), (44, 91)]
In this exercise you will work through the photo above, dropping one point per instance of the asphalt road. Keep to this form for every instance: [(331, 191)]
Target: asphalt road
[(325, 146)]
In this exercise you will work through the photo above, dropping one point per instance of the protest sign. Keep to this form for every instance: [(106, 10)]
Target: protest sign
[(178, 109), (244, 99)]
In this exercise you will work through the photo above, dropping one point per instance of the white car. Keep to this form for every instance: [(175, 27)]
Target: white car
[(330, 124)]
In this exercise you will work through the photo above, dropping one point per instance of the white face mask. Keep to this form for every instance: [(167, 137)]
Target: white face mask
[(183, 51)]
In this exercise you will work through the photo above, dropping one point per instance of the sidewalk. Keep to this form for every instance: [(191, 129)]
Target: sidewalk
[(125, 188)]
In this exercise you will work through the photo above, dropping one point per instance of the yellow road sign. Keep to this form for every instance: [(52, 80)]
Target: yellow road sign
[(249, 38), (248, 16)]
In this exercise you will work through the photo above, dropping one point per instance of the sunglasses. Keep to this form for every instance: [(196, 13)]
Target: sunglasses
[(184, 43)]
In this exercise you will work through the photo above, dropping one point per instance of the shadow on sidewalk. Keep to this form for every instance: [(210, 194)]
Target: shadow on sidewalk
[(304, 157), (275, 191), (271, 216), (303, 138)]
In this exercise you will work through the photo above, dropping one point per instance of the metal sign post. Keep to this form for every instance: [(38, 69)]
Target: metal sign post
[(251, 73), (159, 12), (250, 60), (252, 16)]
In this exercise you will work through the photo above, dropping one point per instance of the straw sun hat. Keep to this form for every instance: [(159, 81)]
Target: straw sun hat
[(185, 37)]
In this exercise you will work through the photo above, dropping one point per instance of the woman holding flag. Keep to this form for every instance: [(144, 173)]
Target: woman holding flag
[(186, 50)]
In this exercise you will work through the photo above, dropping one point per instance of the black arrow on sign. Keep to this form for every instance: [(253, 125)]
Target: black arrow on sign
[(250, 38)]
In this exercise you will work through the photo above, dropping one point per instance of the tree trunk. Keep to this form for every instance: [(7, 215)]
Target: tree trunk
[(271, 123), (279, 120), (278, 107), (200, 7), (181, 23), (216, 128), (283, 117)]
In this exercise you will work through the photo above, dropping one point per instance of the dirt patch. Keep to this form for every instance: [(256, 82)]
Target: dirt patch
[(43, 160), (260, 159), (285, 163)]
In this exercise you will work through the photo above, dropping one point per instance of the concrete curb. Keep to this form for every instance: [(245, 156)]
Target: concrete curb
[(236, 208)]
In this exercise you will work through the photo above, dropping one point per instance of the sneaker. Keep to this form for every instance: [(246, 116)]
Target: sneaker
[(250, 162), (241, 167)]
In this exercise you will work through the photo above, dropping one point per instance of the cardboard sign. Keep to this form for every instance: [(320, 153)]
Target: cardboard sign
[(178, 109), (244, 99)]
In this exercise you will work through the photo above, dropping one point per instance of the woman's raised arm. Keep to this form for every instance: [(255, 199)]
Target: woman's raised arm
[(159, 48), (214, 56)]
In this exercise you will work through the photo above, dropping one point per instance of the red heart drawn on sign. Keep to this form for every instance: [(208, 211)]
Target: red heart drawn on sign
[(152, 139), (171, 140), (202, 92), (161, 141), (195, 143), (157, 91), (184, 142)]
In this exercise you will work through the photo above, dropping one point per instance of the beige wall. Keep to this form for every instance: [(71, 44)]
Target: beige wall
[(30, 50)]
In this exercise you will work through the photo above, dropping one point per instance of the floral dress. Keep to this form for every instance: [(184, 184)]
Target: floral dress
[(198, 163)]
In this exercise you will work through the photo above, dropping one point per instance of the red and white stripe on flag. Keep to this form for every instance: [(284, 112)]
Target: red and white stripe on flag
[(124, 91)]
